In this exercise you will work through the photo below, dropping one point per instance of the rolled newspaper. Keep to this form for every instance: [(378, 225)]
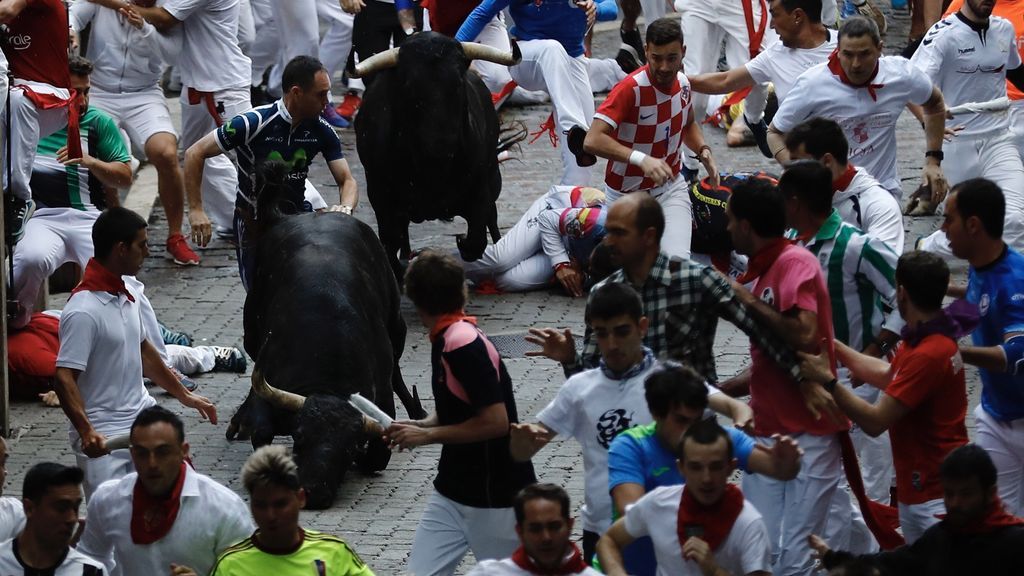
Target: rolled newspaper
[(370, 410), (997, 105), (115, 442)]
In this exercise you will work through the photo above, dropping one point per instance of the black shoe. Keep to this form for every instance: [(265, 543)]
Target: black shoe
[(627, 58), (760, 130), (633, 39), (575, 137), (17, 213), (227, 359)]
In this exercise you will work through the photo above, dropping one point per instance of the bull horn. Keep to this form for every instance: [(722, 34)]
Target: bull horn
[(476, 51), (284, 400), (385, 59)]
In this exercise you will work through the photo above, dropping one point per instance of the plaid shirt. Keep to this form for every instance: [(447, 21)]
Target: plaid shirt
[(683, 302)]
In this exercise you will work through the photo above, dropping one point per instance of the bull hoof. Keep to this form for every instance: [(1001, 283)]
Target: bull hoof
[(375, 458)]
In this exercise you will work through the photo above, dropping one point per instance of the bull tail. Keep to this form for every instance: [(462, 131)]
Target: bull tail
[(510, 135), (272, 201)]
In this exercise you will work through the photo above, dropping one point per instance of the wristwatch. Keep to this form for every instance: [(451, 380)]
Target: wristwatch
[(937, 154), (830, 386)]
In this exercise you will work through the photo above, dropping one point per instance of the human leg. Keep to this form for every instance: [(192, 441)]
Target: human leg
[(520, 242), (807, 500), (39, 255), (916, 518), (337, 41), (440, 542), (495, 76), (675, 201), (491, 532), (1001, 163), (117, 464), (299, 30), (1004, 442), (533, 273)]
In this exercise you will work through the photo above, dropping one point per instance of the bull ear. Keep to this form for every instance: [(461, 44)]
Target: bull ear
[(475, 51), (377, 62)]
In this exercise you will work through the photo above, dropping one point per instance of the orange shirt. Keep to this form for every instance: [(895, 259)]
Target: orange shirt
[(1012, 10)]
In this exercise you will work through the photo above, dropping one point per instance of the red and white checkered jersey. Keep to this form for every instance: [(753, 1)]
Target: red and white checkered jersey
[(648, 120)]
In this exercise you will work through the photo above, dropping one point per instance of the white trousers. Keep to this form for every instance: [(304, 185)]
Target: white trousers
[(997, 159), (604, 73), (336, 43), (916, 518), (298, 34), (28, 126), (846, 528), (220, 179), (546, 66), (873, 454), (654, 9), (1017, 124), (674, 198), (263, 53), (190, 360), (113, 466), (448, 530), (794, 509), (1004, 442), (53, 237), (246, 26), (517, 262)]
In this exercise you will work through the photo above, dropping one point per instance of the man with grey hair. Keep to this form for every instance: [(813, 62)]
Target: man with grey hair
[(279, 545)]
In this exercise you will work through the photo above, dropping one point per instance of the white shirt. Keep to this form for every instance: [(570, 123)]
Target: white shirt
[(870, 207), (507, 567), (869, 125), (125, 58), (210, 57), (969, 63), (101, 335), (656, 514), (12, 517), (782, 66), (210, 519), (74, 564), (593, 409)]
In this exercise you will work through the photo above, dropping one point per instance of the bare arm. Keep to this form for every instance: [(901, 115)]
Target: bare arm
[(525, 440), (610, 546), (160, 18), (693, 137), (65, 385), (873, 419), (153, 367), (991, 358), (9, 9), (780, 461), (601, 142), (112, 174), (864, 367), (798, 327), (625, 494), (347, 190), (739, 412), (195, 160), (488, 423), (934, 131), (721, 82)]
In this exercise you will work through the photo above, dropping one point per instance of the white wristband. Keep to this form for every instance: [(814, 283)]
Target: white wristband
[(636, 157)]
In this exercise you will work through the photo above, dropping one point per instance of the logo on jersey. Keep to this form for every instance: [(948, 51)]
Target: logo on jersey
[(1017, 297), (983, 305), (684, 93), (20, 41), (768, 296), (962, 51), (860, 132), (610, 424), (298, 161)]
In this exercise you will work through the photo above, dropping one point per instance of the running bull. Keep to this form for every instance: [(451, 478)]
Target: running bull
[(322, 320), (427, 136)]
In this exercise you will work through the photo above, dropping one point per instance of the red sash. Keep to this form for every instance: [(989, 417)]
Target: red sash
[(996, 517), (44, 101), (195, 97), (573, 565), (760, 263), (836, 68), (714, 522), (98, 279), (153, 518), (843, 182)]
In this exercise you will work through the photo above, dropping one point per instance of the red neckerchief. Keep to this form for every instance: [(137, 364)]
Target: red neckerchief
[(98, 279), (836, 68), (714, 521), (152, 518), (759, 263), (843, 182), (997, 517), (573, 565), (446, 320)]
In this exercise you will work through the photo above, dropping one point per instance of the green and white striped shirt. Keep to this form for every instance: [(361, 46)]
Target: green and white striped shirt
[(860, 273)]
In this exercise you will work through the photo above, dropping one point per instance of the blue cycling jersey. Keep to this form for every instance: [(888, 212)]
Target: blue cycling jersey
[(998, 290), (266, 133), (559, 20)]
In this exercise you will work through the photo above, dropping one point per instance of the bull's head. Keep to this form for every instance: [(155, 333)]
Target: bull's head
[(328, 435)]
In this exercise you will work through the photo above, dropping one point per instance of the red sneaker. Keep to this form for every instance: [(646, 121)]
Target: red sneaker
[(179, 251), (349, 106)]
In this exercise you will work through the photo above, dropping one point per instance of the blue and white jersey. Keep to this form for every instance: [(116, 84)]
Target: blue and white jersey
[(266, 133), (998, 291)]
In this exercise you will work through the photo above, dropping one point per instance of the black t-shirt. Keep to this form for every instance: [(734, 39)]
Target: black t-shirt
[(467, 376)]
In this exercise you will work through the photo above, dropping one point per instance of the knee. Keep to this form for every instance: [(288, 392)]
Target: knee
[(162, 152)]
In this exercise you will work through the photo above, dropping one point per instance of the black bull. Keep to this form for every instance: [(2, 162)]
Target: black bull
[(322, 321), (427, 136)]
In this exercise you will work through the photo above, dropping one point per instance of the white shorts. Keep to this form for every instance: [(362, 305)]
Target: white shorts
[(139, 114), (113, 466)]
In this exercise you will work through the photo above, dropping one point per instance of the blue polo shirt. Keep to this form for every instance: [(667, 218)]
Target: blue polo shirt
[(998, 291)]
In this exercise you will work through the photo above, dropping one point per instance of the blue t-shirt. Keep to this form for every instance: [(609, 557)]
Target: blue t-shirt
[(998, 291), (557, 20), (266, 133), (636, 456)]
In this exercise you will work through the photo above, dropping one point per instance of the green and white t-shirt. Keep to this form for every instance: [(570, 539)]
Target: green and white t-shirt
[(55, 185)]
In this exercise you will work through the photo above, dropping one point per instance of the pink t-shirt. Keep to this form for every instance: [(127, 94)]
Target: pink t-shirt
[(794, 281)]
